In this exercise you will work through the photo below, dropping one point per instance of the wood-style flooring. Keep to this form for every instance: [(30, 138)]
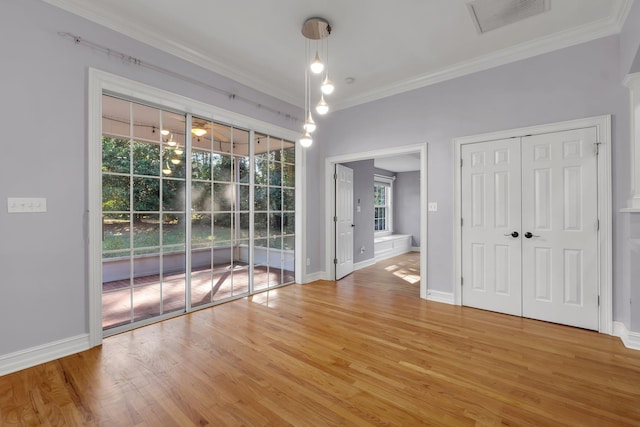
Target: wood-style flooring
[(363, 351)]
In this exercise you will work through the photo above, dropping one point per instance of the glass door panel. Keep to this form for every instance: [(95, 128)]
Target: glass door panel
[(143, 212)]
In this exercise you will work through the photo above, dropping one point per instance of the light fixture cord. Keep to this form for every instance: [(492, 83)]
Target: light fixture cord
[(307, 85)]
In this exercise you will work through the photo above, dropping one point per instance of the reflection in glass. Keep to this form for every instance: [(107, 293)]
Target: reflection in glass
[(223, 197), (201, 196), (173, 195)]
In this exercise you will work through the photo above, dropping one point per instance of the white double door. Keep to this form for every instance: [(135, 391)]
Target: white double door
[(530, 227)]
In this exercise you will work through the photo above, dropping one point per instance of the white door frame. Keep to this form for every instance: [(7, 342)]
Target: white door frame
[(100, 81), (329, 203), (603, 129)]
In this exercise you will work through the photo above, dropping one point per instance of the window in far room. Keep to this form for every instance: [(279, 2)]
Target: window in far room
[(382, 204)]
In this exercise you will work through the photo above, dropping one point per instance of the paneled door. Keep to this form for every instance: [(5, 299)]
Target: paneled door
[(491, 260), (344, 221), (530, 227), (560, 228)]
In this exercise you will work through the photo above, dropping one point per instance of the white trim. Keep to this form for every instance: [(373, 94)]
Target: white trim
[(329, 200), (415, 248), (632, 81), (587, 32), (318, 275), (630, 339), (603, 126), (439, 296), (386, 181), (364, 264), (159, 40), (37, 355), (100, 81), (549, 43)]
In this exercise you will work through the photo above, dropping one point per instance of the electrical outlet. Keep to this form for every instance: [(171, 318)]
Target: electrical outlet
[(26, 204), (362, 250), (308, 262), (433, 207)]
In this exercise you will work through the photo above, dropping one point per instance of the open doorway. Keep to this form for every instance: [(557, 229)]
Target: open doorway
[(380, 230)]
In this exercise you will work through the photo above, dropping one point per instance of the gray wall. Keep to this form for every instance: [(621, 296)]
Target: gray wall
[(363, 220), (576, 82), (406, 205), (43, 260)]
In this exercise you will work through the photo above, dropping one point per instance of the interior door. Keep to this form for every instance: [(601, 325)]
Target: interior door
[(344, 221), (491, 241), (559, 226)]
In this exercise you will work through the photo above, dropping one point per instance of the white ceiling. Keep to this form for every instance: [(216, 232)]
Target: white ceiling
[(388, 47), (401, 163)]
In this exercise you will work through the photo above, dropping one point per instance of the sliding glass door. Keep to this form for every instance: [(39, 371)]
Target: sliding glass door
[(220, 212), (232, 204)]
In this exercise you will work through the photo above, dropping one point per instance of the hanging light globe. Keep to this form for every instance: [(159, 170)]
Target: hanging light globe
[(306, 140), (322, 107), (327, 86)]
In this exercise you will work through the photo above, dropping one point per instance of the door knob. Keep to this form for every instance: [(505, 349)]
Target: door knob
[(514, 234), (529, 235)]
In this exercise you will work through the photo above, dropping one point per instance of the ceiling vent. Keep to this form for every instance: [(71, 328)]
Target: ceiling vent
[(491, 14)]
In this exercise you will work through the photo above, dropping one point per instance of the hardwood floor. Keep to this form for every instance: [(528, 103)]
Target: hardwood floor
[(363, 351)]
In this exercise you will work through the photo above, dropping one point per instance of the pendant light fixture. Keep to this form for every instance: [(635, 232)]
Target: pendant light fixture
[(317, 29)]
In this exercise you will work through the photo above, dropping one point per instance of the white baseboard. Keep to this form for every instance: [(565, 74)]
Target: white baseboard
[(312, 277), (629, 338), (415, 248), (363, 264), (33, 356), (439, 296)]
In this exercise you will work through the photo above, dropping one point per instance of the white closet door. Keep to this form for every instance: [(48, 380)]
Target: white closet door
[(344, 221), (559, 228), (491, 241)]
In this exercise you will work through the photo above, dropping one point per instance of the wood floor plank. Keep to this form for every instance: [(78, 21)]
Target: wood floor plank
[(364, 351)]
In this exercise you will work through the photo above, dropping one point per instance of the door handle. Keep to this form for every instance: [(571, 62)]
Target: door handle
[(529, 235), (514, 234), (353, 225)]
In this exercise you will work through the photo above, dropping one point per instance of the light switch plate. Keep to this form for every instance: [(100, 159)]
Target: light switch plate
[(433, 207), (26, 204)]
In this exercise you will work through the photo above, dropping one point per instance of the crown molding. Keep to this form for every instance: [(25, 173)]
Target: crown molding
[(588, 32), (157, 40), (620, 16), (546, 44)]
